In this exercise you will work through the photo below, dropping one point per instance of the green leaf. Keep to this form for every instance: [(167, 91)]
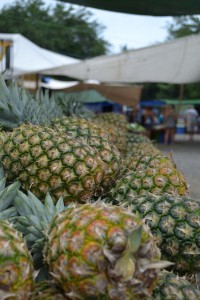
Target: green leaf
[(49, 207), (7, 196), (8, 214), (134, 239), (60, 205)]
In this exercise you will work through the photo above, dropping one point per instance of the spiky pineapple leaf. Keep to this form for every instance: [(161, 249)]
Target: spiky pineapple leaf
[(8, 214), (60, 206), (49, 207), (30, 205), (8, 195), (2, 184)]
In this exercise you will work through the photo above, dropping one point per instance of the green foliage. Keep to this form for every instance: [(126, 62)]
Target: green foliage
[(59, 27), (183, 26), (180, 27), (160, 91)]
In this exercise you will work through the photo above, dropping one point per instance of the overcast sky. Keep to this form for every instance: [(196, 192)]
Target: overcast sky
[(134, 31)]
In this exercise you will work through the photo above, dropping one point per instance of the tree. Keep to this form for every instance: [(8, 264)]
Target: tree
[(183, 26), (180, 27), (59, 28)]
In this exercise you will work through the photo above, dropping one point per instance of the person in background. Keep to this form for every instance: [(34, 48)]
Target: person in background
[(170, 119), (191, 116), (161, 115), (198, 124), (148, 121)]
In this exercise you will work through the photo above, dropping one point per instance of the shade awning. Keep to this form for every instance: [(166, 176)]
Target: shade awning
[(124, 95), (144, 7), (176, 61), (29, 58)]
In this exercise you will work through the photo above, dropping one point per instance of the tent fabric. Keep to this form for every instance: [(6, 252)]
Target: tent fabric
[(54, 84), (144, 7), (176, 61), (86, 96), (124, 95), (30, 58)]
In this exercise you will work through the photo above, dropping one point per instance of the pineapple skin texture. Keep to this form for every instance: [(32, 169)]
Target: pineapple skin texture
[(45, 290), (144, 174), (174, 222), (116, 126), (84, 244), (172, 287), (45, 160), (96, 137), (16, 268)]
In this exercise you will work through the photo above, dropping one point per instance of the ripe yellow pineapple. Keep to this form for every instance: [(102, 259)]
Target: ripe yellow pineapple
[(45, 160), (154, 173), (94, 251), (96, 137), (16, 268), (174, 222)]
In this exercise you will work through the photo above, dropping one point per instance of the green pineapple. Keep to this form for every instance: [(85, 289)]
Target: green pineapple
[(173, 287), (138, 149), (49, 161), (156, 174), (94, 251), (133, 138), (132, 141), (174, 222)]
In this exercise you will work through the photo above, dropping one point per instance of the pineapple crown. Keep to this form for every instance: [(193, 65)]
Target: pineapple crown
[(33, 220), (7, 196), (73, 106), (18, 106)]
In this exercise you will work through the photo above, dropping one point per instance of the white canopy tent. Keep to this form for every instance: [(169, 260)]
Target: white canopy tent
[(176, 61), (28, 58)]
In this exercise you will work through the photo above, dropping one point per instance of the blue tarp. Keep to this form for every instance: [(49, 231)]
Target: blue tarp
[(152, 103)]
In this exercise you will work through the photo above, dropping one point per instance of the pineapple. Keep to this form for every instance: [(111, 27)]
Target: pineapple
[(96, 138), (16, 268), (94, 251), (137, 149), (49, 161), (156, 174), (18, 106), (133, 139), (136, 138), (173, 287), (117, 126), (174, 222), (45, 290)]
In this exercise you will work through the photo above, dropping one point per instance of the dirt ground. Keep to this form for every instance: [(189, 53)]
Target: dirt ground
[(187, 158)]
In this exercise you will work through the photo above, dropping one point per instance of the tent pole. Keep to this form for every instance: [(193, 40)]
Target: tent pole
[(181, 91), (180, 97)]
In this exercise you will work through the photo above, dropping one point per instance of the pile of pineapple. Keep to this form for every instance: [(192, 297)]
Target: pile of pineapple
[(88, 210)]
